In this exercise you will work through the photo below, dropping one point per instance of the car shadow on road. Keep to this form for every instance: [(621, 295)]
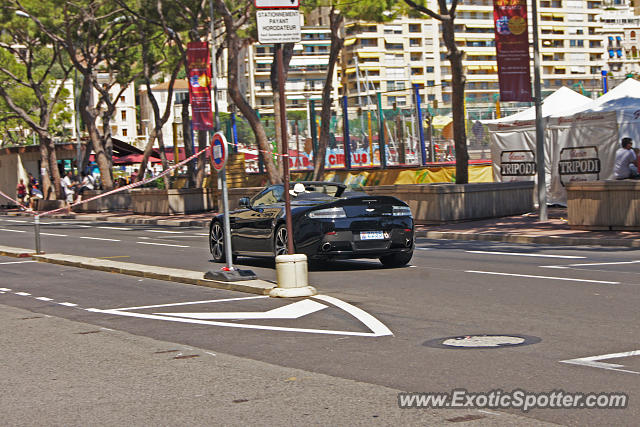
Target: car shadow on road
[(314, 265)]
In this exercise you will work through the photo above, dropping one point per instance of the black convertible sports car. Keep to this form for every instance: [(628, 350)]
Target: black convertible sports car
[(328, 222)]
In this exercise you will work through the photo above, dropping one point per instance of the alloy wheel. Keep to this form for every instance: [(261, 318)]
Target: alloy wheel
[(216, 242), (281, 241)]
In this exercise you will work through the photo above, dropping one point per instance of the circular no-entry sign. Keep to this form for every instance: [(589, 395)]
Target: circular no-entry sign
[(219, 151)]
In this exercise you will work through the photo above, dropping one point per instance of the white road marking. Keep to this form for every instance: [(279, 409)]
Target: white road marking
[(12, 231), (525, 254), (5, 289), (424, 249), (163, 244), (117, 228), (165, 231), (53, 234), (16, 220), (542, 277), (590, 264), (593, 361), (191, 302), (15, 262), (202, 234), (44, 298), (100, 238), (23, 294), (291, 311), (377, 328), (68, 304)]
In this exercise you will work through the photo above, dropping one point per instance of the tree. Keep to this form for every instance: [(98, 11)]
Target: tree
[(100, 42), (236, 21), (454, 55), (287, 54), (159, 57), (34, 69), (338, 11)]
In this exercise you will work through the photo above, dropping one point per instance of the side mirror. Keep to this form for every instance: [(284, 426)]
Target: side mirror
[(244, 202)]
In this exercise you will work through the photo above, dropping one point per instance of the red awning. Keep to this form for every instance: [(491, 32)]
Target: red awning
[(130, 159)]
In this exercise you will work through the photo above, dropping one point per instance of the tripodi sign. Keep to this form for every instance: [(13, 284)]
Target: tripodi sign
[(516, 163), (579, 164)]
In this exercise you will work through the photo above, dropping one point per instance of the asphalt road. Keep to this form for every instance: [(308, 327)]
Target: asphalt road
[(559, 303)]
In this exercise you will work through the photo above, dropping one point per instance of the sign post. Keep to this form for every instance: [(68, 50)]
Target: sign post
[(219, 155)]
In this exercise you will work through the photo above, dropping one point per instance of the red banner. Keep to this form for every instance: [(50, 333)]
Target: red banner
[(199, 66), (512, 49)]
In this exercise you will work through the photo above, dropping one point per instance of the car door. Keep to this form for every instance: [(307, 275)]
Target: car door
[(253, 228)]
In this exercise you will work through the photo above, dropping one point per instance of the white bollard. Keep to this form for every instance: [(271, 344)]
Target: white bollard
[(292, 277)]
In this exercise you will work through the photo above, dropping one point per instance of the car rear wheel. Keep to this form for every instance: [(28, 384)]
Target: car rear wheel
[(396, 260), (216, 242), (280, 241)]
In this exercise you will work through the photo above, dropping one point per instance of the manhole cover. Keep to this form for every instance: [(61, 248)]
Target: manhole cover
[(482, 341)]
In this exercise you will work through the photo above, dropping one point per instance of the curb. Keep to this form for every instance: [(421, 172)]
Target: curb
[(16, 252), (260, 287), (523, 238)]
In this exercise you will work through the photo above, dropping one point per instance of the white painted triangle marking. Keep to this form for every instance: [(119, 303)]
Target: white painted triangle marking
[(593, 361), (291, 311), (377, 328)]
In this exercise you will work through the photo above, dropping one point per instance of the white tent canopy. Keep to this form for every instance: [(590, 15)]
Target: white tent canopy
[(558, 101), (513, 142), (624, 100), (580, 138)]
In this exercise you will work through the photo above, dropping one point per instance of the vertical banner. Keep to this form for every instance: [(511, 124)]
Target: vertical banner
[(199, 66), (512, 49)]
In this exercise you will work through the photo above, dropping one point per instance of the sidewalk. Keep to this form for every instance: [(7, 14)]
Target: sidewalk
[(514, 229)]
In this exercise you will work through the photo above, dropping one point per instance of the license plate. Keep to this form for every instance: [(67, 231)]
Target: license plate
[(371, 235)]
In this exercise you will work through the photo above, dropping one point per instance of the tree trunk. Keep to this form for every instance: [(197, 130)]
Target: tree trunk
[(188, 148), (325, 114), (457, 102), (202, 144)]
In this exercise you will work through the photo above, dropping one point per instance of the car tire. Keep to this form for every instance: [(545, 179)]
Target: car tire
[(216, 242), (396, 260), (280, 241)]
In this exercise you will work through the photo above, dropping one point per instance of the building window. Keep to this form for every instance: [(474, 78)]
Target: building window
[(124, 132), (123, 114), (394, 46), (429, 69), (415, 28), (369, 42)]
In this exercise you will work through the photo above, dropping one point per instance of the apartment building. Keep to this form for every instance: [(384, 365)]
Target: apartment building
[(410, 51), (307, 71), (621, 37)]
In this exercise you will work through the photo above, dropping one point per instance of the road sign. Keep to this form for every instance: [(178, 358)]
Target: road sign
[(277, 4), (278, 26), (219, 151)]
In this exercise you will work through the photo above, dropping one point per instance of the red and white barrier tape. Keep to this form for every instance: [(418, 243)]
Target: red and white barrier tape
[(14, 201), (115, 190)]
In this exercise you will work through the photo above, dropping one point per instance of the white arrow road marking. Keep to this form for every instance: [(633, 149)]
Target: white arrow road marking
[(377, 328), (542, 277), (593, 361), (525, 254), (290, 311)]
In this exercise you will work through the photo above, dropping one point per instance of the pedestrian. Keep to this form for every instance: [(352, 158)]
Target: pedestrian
[(625, 166), (87, 183), (68, 186), (21, 192)]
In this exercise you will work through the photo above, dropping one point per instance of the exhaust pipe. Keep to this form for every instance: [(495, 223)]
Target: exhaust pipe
[(326, 247)]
